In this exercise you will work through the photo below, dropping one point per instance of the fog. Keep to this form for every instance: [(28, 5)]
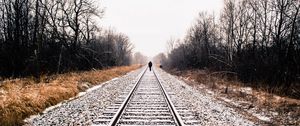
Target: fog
[(151, 23)]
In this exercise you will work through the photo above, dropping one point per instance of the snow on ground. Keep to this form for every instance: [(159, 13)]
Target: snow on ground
[(259, 106), (261, 117), (210, 110), (84, 108), (241, 104)]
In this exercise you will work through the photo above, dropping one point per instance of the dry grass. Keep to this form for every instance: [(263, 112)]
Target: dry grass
[(288, 109), (20, 98)]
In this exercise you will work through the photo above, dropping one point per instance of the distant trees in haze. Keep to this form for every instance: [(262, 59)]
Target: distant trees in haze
[(139, 58), (257, 39), (53, 36), (160, 59)]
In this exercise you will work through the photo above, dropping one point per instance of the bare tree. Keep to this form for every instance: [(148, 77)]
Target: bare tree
[(47, 36), (257, 39)]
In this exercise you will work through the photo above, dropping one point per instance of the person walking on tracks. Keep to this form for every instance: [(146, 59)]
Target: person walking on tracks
[(150, 65)]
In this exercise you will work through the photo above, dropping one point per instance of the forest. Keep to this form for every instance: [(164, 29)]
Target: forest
[(256, 40), (55, 36)]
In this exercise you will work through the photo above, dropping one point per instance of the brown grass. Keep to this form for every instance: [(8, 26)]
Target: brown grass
[(260, 96), (22, 97)]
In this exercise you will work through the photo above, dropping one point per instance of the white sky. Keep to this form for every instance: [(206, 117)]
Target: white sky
[(151, 23)]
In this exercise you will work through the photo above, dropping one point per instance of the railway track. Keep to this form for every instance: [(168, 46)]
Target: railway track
[(146, 103)]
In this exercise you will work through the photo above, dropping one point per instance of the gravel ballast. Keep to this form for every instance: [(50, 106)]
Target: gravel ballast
[(209, 110), (84, 109)]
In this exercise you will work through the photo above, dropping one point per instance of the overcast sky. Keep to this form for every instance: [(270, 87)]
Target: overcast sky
[(151, 23)]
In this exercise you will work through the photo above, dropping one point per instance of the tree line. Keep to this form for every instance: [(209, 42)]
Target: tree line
[(54, 36), (258, 40), (139, 58)]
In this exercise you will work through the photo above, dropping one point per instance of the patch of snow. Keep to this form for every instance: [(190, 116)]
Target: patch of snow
[(201, 86), (209, 92), (261, 117), (86, 106), (247, 90), (81, 94), (100, 85), (210, 111), (225, 99), (52, 107)]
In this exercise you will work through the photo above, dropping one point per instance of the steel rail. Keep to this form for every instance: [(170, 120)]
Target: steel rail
[(120, 111), (172, 107), (124, 104)]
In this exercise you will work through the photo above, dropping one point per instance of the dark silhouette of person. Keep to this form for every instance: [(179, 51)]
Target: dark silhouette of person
[(150, 65)]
